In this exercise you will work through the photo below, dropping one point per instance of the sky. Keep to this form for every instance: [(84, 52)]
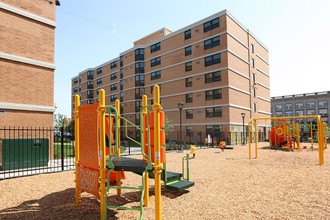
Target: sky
[(296, 33)]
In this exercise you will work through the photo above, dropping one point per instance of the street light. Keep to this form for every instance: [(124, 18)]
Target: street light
[(243, 139), (180, 106)]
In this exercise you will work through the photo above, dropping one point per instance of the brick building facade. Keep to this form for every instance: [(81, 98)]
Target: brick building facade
[(216, 67), (27, 63)]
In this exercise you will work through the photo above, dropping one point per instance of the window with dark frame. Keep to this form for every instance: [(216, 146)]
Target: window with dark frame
[(189, 98), (113, 86), (139, 80), (189, 114), (156, 61), (187, 34), (113, 98), (213, 94), (213, 112), (188, 66), (213, 42), (213, 59), (189, 82), (113, 76), (155, 47), (213, 77), (187, 51), (211, 24), (99, 81), (155, 75), (139, 67), (113, 64), (139, 54), (99, 70)]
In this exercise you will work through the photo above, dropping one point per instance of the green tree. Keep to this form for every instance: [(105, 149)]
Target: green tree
[(168, 127), (61, 121)]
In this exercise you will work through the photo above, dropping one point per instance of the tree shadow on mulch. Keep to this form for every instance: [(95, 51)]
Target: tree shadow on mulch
[(61, 205), (58, 205)]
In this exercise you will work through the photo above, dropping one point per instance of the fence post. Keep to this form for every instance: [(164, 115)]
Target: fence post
[(62, 148)]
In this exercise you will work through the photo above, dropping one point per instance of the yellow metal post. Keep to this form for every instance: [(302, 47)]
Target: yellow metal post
[(255, 137), (76, 141), (321, 139), (298, 136), (311, 128), (157, 166), (146, 179), (249, 135), (118, 174), (102, 153)]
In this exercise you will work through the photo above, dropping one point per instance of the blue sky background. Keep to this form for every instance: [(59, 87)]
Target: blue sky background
[(296, 32)]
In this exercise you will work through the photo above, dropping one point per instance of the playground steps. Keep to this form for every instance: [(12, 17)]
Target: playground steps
[(180, 185), (174, 180)]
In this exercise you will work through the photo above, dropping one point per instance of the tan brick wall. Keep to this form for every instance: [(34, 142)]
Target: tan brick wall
[(26, 119), (24, 37), (26, 84)]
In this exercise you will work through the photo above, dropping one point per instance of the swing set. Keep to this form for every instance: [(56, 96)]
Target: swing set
[(286, 134)]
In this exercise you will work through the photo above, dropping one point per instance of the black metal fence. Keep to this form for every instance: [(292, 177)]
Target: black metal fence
[(30, 151)]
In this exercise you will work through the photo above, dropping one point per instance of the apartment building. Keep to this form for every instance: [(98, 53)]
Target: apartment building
[(27, 62), (216, 67), (316, 103)]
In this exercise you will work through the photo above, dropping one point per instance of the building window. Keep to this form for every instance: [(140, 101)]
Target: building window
[(99, 81), (189, 114), (75, 80), (121, 73), (213, 59), (138, 106), (288, 106), (187, 51), (278, 114), (213, 77), (155, 61), (310, 105), (189, 98), (113, 65), (213, 112), (211, 25), (323, 104), (252, 61), (254, 92), (155, 47), (156, 75), (121, 61), (299, 105), (252, 48), (75, 89), (189, 82), (99, 70), (90, 74), (323, 112), (188, 66), (310, 112), (121, 98), (213, 42), (113, 98), (213, 94), (299, 113), (113, 76), (113, 86), (254, 107), (253, 78), (278, 107), (139, 67), (139, 54), (288, 113), (90, 84), (121, 82), (139, 80), (139, 92), (187, 34), (90, 94)]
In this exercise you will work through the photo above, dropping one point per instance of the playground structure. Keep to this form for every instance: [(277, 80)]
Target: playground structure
[(287, 135), (99, 164)]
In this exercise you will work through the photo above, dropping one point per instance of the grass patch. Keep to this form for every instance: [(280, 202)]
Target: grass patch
[(68, 150)]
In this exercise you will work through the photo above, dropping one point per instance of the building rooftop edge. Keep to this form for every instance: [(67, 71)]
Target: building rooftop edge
[(300, 95)]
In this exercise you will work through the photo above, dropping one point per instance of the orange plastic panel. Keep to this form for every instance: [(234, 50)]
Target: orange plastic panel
[(88, 135), (89, 181)]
